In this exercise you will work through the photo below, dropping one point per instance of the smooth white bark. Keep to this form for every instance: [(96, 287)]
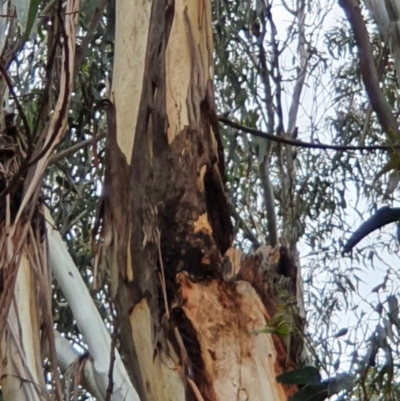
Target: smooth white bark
[(88, 319), (68, 355)]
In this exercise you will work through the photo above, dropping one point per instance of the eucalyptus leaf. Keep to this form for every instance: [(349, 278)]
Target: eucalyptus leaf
[(341, 332), (32, 16), (311, 393), (393, 182), (27, 12), (342, 382), (308, 375), (393, 305)]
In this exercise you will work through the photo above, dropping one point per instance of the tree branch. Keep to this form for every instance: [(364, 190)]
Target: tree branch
[(302, 144), (88, 319), (367, 68), (243, 225), (383, 216), (74, 148), (269, 199)]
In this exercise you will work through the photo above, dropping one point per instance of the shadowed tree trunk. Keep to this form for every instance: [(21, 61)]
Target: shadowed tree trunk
[(188, 304)]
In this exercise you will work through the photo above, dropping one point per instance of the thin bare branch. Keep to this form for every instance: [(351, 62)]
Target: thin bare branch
[(74, 148), (269, 199), (302, 144), (243, 225)]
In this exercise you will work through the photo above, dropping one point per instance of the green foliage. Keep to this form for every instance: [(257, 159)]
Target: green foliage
[(313, 388), (277, 325), (307, 375)]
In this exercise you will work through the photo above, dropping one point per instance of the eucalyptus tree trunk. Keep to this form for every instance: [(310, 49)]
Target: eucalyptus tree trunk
[(189, 306)]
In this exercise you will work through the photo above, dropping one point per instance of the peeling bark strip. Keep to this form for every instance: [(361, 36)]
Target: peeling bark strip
[(25, 296), (166, 218)]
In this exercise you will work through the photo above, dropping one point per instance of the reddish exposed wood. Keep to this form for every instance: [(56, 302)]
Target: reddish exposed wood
[(224, 317)]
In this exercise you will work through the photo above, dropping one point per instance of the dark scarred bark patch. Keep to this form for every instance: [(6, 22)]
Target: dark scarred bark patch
[(164, 184), (287, 267), (162, 195), (194, 366)]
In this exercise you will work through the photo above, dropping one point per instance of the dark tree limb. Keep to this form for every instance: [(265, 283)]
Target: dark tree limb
[(367, 68), (301, 144), (383, 216)]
